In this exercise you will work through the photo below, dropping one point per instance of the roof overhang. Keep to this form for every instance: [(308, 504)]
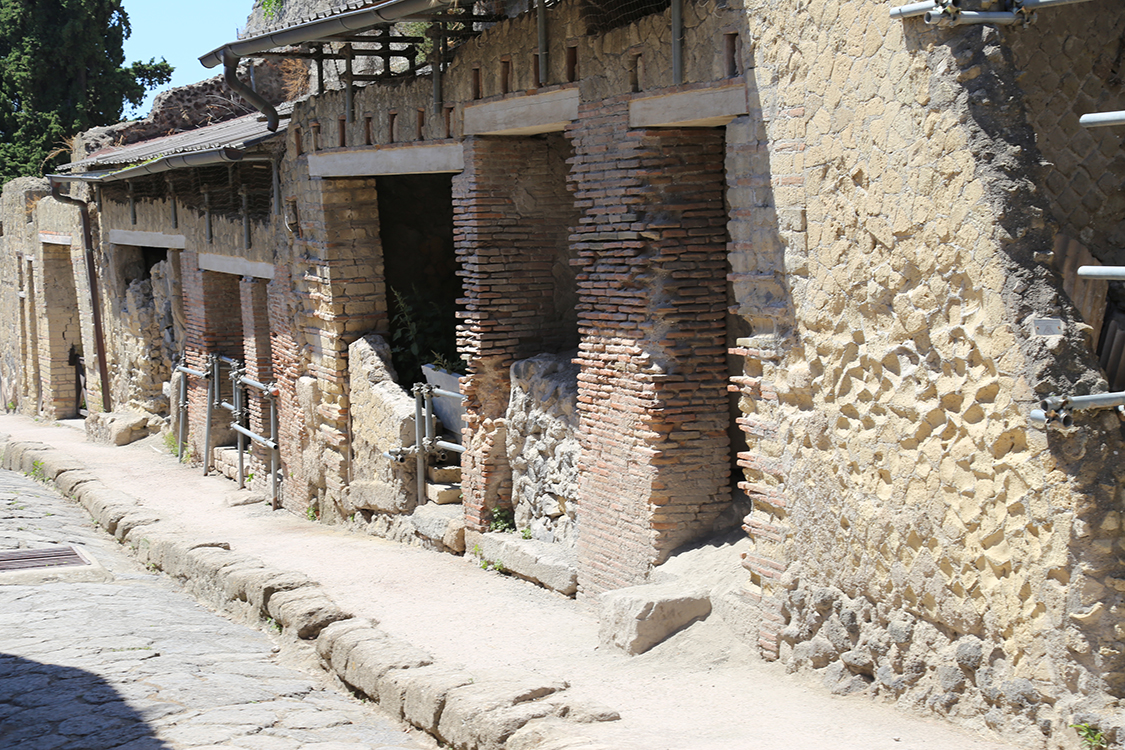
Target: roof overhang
[(194, 159), (324, 29)]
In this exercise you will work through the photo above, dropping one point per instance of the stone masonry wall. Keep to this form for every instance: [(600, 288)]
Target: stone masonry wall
[(17, 232), (543, 448), (54, 310), (1071, 64), (913, 536)]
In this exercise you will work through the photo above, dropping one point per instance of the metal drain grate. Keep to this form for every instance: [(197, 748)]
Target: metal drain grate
[(47, 557)]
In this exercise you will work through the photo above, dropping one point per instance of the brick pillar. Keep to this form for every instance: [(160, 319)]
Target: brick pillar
[(340, 295), (652, 390), (258, 359), (512, 211)]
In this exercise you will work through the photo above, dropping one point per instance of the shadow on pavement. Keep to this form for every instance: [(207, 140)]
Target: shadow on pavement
[(49, 707)]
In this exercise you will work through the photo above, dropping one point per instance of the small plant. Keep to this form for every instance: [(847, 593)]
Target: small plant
[(1091, 738), (272, 8), (37, 471), (171, 444), (273, 625), (250, 477), (503, 519), (493, 565), (526, 533), (312, 513), (476, 550)]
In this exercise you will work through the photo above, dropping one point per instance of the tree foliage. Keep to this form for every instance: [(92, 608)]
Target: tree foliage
[(61, 72)]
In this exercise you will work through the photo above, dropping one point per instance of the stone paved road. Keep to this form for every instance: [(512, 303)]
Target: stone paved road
[(131, 663)]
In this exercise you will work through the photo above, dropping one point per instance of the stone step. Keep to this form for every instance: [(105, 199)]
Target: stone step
[(444, 474), (443, 493)]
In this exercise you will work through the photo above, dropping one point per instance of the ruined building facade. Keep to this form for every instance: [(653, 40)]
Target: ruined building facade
[(806, 273)]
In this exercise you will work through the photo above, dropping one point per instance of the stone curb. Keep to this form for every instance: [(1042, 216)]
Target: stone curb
[(513, 710)]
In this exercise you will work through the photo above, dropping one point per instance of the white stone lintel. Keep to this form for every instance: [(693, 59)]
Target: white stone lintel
[(711, 107), (419, 158), (54, 238), (235, 265), (147, 239), (531, 114)]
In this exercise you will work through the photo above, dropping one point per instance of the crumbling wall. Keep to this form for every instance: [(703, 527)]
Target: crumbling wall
[(913, 535), (543, 447), (382, 420)]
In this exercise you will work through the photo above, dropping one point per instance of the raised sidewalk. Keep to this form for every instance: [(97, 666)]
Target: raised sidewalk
[(477, 659)]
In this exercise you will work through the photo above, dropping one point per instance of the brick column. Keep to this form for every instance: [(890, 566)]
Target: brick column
[(511, 216), (339, 295), (652, 390)]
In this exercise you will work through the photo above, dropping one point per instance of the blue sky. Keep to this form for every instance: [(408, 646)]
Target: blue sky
[(180, 32)]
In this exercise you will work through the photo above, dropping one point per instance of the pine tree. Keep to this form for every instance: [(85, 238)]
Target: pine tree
[(61, 72)]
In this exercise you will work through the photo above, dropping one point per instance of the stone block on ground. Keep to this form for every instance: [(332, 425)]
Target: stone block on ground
[(443, 493), (305, 611), (480, 715), (117, 428), (424, 693), (552, 566), (441, 523), (326, 641), (68, 481), (444, 474), (637, 618), (378, 496), (375, 656)]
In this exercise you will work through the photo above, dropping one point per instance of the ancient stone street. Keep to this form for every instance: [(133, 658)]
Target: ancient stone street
[(132, 663)]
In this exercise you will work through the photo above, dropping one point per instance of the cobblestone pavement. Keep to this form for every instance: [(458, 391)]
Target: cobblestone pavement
[(134, 664)]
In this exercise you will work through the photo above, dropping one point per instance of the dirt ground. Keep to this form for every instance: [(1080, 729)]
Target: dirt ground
[(700, 690)]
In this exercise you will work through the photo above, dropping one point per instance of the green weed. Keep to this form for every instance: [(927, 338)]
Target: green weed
[(502, 519), (1091, 738)]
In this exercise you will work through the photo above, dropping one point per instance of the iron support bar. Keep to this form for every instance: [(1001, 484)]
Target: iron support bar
[(914, 9), (1102, 119), (213, 365), (237, 410), (182, 410), (275, 454), (1059, 408), (447, 446), (419, 442), (349, 91), (677, 42), (968, 17), (267, 389), (541, 23), (435, 70), (1105, 273), (1027, 5), (451, 394), (259, 439)]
